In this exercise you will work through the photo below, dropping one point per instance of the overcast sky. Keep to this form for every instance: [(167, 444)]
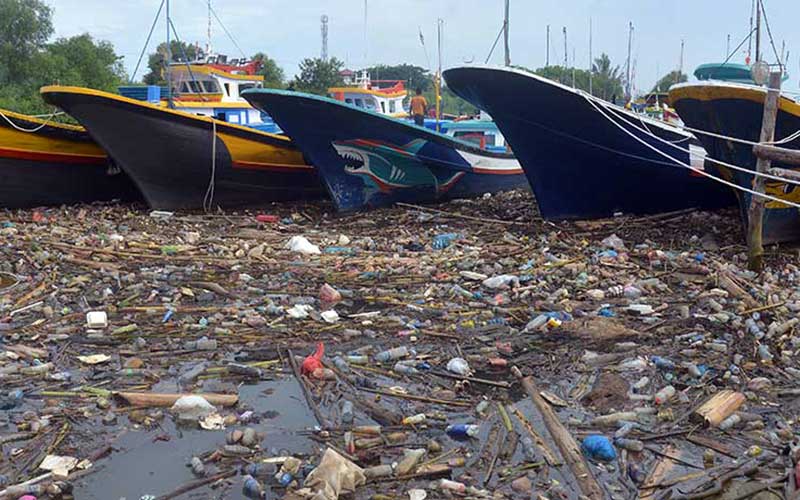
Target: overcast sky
[(289, 30)]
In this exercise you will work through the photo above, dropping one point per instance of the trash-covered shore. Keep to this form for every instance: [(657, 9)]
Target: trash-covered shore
[(468, 349)]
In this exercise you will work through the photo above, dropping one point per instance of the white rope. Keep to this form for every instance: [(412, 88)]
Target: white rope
[(719, 162), (208, 199), (684, 165), (30, 131)]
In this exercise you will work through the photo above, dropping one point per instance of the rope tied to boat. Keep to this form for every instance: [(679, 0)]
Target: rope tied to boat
[(208, 199), (684, 165), (33, 130)]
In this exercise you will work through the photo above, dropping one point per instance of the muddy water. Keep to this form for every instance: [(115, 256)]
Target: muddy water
[(144, 466)]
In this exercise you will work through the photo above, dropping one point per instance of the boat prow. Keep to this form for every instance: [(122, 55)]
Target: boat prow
[(47, 163), (370, 160), (735, 111), (584, 157), (184, 161)]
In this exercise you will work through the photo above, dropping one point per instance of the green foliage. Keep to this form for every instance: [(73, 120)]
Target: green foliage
[(272, 73), (318, 75), (25, 26), (413, 76), (669, 80), (606, 79), (179, 51)]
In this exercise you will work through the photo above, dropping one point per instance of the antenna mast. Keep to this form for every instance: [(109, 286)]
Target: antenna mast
[(591, 61), (547, 60), (324, 29), (366, 50), (168, 60), (208, 42), (758, 30), (628, 63), (505, 34), (566, 62)]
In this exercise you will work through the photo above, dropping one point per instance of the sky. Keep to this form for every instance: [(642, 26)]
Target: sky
[(289, 31)]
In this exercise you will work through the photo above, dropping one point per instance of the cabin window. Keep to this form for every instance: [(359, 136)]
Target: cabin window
[(195, 86), (211, 87), (348, 101), (233, 118), (469, 136), (383, 107), (221, 116), (359, 103), (370, 104), (491, 139), (392, 106), (185, 88), (228, 89)]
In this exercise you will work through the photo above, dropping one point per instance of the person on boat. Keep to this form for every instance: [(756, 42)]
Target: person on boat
[(419, 107)]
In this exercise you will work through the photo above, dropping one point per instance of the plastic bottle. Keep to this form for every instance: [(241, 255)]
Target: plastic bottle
[(392, 354), (410, 460), (664, 395), (191, 375), (419, 418), (347, 412), (598, 447), (405, 368), (730, 422), (764, 353), (252, 488), (462, 431), (259, 470), (244, 370), (442, 241), (536, 323), (379, 471), (629, 444), (357, 360), (529, 449), (198, 468), (663, 363), (454, 486), (341, 364)]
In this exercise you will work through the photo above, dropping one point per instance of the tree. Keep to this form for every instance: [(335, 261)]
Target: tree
[(180, 51), (318, 75), (413, 76), (81, 61), (669, 80), (606, 79), (272, 73), (25, 26)]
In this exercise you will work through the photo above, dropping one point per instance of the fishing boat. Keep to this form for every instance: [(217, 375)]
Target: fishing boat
[(735, 111), (47, 163), (369, 160), (169, 153), (586, 158)]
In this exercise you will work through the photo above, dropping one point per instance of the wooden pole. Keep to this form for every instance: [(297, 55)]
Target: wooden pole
[(780, 155), (756, 211), (505, 35), (566, 443)]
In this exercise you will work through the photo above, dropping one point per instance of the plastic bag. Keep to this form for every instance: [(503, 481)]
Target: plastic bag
[(302, 245), (334, 475)]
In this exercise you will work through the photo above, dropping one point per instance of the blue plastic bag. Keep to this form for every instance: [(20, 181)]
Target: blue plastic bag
[(598, 447)]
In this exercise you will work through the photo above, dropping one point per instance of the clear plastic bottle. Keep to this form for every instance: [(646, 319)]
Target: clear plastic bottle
[(392, 354), (347, 412)]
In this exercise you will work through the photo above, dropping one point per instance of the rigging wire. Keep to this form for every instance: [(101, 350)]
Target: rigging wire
[(186, 59), (225, 29), (769, 33), (147, 42)]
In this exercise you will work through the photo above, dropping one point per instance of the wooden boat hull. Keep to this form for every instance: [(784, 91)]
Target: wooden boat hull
[(581, 165), (55, 164), (737, 111), (368, 160), (168, 153)]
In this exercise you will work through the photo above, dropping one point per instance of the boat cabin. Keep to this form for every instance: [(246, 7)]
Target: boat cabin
[(380, 96), (482, 133)]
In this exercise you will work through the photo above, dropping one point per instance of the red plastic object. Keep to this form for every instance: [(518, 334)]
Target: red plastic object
[(313, 362), (267, 218)]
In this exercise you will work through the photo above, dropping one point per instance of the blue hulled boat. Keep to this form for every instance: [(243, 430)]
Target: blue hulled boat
[(736, 110), (586, 158), (370, 160)]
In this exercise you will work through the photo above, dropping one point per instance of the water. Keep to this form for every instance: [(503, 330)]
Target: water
[(146, 466)]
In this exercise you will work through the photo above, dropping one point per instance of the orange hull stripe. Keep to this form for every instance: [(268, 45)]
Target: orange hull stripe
[(253, 165), (21, 154)]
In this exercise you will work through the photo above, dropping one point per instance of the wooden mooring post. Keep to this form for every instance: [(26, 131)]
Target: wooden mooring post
[(755, 214)]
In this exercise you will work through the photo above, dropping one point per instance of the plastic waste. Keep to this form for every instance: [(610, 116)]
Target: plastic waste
[(629, 444), (252, 488), (459, 366), (347, 412), (501, 282), (334, 475), (598, 447), (300, 244), (392, 354), (192, 407), (244, 370), (462, 431), (409, 462), (314, 361), (419, 418), (96, 320), (664, 395), (730, 422), (442, 241), (329, 295), (379, 471), (198, 468)]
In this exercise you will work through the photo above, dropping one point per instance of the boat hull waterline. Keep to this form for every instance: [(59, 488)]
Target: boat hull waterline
[(737, 111), (168, 153), (368, 160), (54, 164), (580, 164)]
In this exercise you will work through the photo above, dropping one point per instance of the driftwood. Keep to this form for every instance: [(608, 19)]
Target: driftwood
[(168, 399), (193, 485), (780, 155), (719, 407), (566, 443)]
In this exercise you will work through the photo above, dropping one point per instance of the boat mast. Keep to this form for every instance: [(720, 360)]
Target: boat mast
[(547, 59), (366, 37), (758, 30), (628, 63), (566, 56), (505, 34), (439, 23), (168, 60), (208, 42), (591, 61), (680, 64)]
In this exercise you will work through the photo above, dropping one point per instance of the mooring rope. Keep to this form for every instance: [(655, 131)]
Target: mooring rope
[(208, 199)]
